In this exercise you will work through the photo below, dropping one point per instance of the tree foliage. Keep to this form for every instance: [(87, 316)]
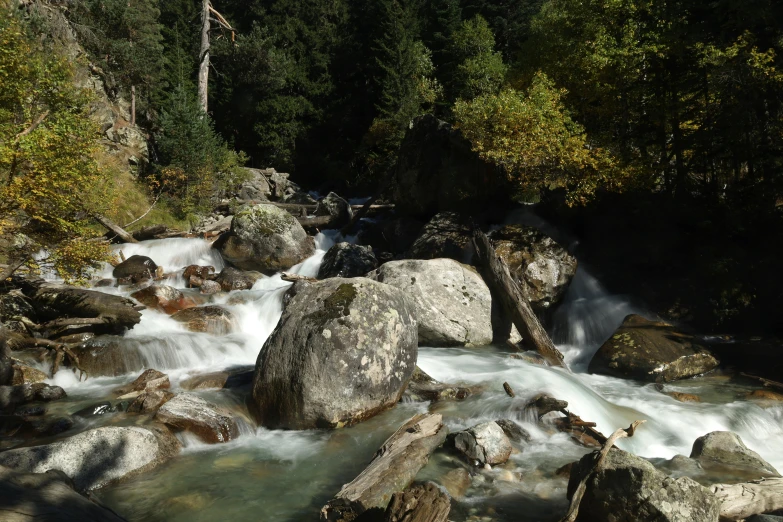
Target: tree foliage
[(51, 184), (478, 68)]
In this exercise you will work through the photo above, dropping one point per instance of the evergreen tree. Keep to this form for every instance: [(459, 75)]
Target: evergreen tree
[(478, 69)]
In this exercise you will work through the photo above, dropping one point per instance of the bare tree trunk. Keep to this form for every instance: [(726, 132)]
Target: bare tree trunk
[(115, 228), (203, 69), (740, 501), (133, 105)]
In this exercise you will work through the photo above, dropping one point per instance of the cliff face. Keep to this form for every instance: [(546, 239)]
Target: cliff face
[(128, 143)]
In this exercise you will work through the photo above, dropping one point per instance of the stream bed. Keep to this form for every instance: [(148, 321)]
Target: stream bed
[(289, 475)]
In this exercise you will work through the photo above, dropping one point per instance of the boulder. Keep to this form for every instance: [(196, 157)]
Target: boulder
[(335, 206), (395, 236), (279, 183), (110, 355), (513, 431), (343, 351), (46, 497), (98, 457), (347, 260), (149, 401), (300, 198), (537, 262), (149, 380), (422, 388), (265, 238), (437, 170), (31, 427), (210, 287), (256, 187), (13, 396), (15, 306), (165, 298), (192, 413), (205, 381), (134, 269), (24, 374), (448, 234), (209, 319), (628, 488), (232, 279), (650, 351), (725, 449), (484, 443), (453, 305), (199, 272), (55, 301)]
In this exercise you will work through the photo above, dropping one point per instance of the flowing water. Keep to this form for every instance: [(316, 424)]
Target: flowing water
[(289, 475)]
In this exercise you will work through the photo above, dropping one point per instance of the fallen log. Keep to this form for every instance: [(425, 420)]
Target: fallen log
[(576, 499), (315, 224), (393, 468), (114, 228), (419, 503), (741, 501), (513, 299), (765, 382), (293, 278)]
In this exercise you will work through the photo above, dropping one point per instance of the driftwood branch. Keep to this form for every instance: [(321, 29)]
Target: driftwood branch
[(765, 382), (513, 299), (573, 509), (393, 468), (293, 278), (740, 501), (115, 228)]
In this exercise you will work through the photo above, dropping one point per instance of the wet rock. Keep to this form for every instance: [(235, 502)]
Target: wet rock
[(650, 351), (437, 170), (14, 396), (15, 306), (47, 497), (192, 413), (135, 269), (681, 466), (210, 287), (355, 346), (95, 410), (684, 397), (765, 395), (627, 487), (334, 205), (164, 298), (484, 443), (110, 355), (98, 457), (149, 380), (447, 235), (453, 305), (76, 338), (36, 427), (55, 301), (200, 273), (24, 374), (537, 262), (265, 238), (726, 449), (149, 401), (232, 279), (457, 481), (513, 431), (205, 381), (347, 260), (422, 387), (210, 319)]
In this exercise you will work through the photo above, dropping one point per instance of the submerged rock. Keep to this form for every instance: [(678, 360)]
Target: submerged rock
[(135, 268), (98, 457), (347, 260), (453, 305), (726, 449), (24, 374), (265, 238), (109, 355), (422, 387), (209, 319), (537, 262), (165, 298), (650, 351), (342, 352), (150, 379), (209, 287), (448, 235), (628, 488), (192, 413), (47, 497), (14, 396), (484, 443)]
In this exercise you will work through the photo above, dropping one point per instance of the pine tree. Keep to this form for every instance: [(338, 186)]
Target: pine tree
[(478, 69)]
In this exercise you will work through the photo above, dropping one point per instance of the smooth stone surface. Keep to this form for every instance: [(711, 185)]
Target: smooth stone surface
[(485, 443), (190, 412), (347, 260), (725, 448), (209, 319)]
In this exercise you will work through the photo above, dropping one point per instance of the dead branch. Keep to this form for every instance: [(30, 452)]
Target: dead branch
[(114, 228), (32, 127), (143, 215), (573, 509), (765, 382), (741, 501)]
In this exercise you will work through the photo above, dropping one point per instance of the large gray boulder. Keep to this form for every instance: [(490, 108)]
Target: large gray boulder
[(48, 497), (347, 260), (453, 305), (651, 351), (98, 457), (724, 449), (627, 488), (484, 443), (255, 187), (265, 238), (537, 262), (192, 413), (342, 352), (437, 170)]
